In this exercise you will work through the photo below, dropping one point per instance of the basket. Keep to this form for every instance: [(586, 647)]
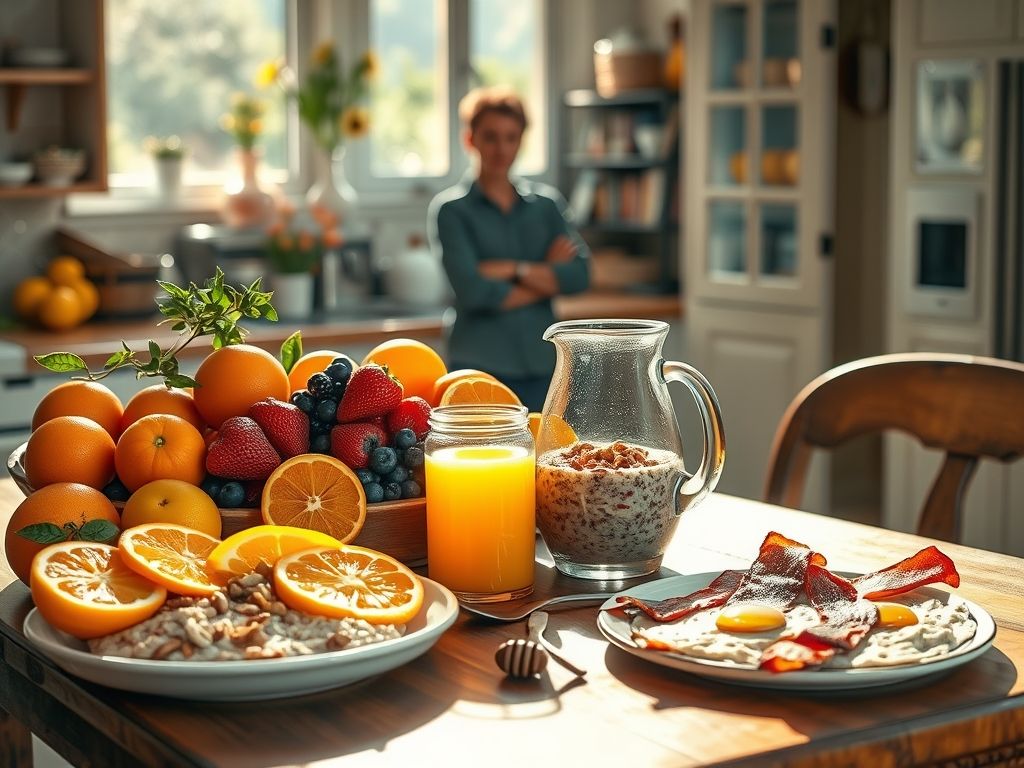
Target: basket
[(396, 528), (627, 71)]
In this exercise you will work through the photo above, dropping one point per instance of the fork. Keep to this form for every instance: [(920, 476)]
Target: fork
[(526, 608)]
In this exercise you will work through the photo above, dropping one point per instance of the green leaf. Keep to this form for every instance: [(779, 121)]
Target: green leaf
[(42, 533), (172, 290), (117, 359), (61, 362), (181, 381), (291, 351), (154, 349), (270, 314), (102, 531)]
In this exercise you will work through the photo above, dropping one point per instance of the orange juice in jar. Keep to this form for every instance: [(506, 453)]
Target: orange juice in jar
[(480, 468)]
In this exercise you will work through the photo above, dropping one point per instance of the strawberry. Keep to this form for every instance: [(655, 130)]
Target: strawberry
[(241, 451), (353, 443), (371, 391), (412, 413), (284, 424)]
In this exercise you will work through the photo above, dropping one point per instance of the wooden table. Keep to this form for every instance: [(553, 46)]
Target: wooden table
[(453, 707)]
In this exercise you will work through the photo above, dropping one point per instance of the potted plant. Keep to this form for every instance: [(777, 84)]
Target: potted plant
[(296, 245), (247, 204), (168, 155)]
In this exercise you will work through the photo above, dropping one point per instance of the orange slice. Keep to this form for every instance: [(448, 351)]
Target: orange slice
[(349, 581), (316, 492), (171, 555), (551, 432), (86, 590), (477, 390), (241, 552)]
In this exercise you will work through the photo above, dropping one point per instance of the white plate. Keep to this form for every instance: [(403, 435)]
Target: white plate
[(250, 680), (616, 628)]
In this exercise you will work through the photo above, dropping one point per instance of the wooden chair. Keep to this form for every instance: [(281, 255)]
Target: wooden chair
[(969, 407)]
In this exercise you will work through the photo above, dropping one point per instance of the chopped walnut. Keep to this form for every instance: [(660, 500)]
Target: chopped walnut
[(618, 455)]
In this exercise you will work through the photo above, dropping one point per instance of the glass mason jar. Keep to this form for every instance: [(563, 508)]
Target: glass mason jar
[(480, 467)]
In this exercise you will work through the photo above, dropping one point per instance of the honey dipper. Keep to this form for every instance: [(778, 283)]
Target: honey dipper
[(529, 657)]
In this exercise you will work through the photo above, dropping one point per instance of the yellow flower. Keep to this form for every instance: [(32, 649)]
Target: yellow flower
[(355, 122), (238, 99), (255, 126), (268, 73), (369, 65), (227, 122), (323, 55)]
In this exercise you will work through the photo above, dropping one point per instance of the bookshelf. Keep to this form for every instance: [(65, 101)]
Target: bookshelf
[(621, 174)]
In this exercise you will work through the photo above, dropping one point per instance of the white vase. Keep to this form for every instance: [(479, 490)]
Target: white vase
[(293, 295), (168, 177), (331, 189)]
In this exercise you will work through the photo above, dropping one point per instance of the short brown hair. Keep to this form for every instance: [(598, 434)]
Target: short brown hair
[(499, 99)]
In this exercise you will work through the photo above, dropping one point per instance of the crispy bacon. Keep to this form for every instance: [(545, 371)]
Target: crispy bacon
[(926, 567), (672, 608), (776, 577)]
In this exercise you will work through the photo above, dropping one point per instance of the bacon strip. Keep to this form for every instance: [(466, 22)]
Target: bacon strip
[(776, 577), (926, 567), (847, 618), (672, 608)]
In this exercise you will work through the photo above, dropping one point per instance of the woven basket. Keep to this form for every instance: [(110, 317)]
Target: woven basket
[(618, 72)]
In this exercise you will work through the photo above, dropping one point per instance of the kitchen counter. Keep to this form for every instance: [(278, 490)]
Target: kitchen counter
[(371, 323)]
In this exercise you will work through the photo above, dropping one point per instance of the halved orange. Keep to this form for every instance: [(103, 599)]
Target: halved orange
[(442, 384), (171, 555), (349, 581), (477, 390), (315, 492), (241, 552), (86, 590), (550, 432)]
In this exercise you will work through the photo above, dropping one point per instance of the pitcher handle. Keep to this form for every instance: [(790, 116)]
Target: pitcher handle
[(695, 488)]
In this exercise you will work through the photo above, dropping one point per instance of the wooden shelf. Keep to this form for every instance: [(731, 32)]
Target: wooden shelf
[(32, 76), (36, 190), (625, 163)]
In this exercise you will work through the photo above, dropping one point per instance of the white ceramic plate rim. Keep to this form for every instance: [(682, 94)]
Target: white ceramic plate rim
[(615, 628), (63, 648)]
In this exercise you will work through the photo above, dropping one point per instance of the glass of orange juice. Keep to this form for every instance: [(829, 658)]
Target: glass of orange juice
[(480, 470)]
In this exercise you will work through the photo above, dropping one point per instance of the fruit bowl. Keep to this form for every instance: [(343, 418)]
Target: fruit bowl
[(397, 528)]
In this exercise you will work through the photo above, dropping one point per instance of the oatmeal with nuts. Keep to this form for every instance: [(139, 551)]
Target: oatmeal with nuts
[(607, 503), (245, 620)]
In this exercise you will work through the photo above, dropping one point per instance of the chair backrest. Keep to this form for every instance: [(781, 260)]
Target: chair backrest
[(969, 407)]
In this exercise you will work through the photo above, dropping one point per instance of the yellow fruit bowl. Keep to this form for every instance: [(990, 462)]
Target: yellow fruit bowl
[(397, 528)]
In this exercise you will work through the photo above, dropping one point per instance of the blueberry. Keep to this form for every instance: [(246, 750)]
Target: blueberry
[(317, 427), (366, 476), (339, 370), (320, 443), (414, 457), (383, 460), (400, 457), (326, 410), (374, 493), (392, 492), (397, 475), (411, 489), (115, 490), (339, 391), (320, 385), (212, 486), (404, 438), (303, 401), (231, 495)]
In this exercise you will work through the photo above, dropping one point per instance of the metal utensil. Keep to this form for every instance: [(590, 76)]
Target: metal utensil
[(529, 657), (536, 625), (503, 613)]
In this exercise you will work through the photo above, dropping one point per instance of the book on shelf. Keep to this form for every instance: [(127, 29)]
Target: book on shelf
[(581, 201)]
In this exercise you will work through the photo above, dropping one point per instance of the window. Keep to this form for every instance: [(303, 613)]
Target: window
[(172, 68)]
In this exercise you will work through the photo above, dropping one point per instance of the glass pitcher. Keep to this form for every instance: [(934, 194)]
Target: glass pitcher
[(611, 483)]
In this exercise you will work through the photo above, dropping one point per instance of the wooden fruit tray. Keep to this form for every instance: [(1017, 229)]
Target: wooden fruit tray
[(397, 528)]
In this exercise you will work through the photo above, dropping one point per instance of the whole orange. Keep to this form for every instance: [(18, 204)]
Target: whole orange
[(161, 399), (442, 384), (61, 310), (172, 501), (81, 398), (64, 270), (160, 447), (29, 294), (310, 363), (232, 378), (69, 449), (88, 296), (412, 362), (60, 504)]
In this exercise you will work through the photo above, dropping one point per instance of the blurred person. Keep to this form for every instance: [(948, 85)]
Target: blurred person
[(508, 248)]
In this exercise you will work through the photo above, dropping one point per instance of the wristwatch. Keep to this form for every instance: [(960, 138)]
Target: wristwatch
[(521, 268)]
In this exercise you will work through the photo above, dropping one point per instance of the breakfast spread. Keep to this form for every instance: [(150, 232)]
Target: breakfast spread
[(788, 612), (607, 503)]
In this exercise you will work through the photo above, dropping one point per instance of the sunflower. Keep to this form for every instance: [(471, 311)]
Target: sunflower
[(268, 73), (355, 122), (369, 65), (323, 55)]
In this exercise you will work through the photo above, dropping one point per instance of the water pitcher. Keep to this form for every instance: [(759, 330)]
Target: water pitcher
[(611, 482)]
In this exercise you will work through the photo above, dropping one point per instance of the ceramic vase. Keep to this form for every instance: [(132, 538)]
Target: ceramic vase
[(246, 204), (168, 177), (293, 295), (331, 189)]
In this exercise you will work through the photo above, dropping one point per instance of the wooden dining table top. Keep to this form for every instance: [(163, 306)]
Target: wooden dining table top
[(453, 706)]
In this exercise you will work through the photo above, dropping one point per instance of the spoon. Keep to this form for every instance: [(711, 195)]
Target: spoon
[(525, 658)]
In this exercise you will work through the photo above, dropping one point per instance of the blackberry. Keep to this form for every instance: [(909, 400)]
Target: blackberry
[(320, 385), (411, 489), (326, 410), (404, 438), (115, 490), (231, 494), (414, 457), (374, 493), (317, 427), (320, 443), (383, 460), (303, 401), (392, 492)]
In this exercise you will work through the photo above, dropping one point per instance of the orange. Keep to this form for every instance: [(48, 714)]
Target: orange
[(412, 362), (477, 390), (310, 363), (316, 492), (173, 556), (65, 270), (241, 552), (172, 501), (86, 590), (62, 504), (160, 447), (81, 398), (349, 581), (442, 384), (552, 432), (29, 294), (61, 310), (88, 297), (160, 398), (233, 378), (70, 449)]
